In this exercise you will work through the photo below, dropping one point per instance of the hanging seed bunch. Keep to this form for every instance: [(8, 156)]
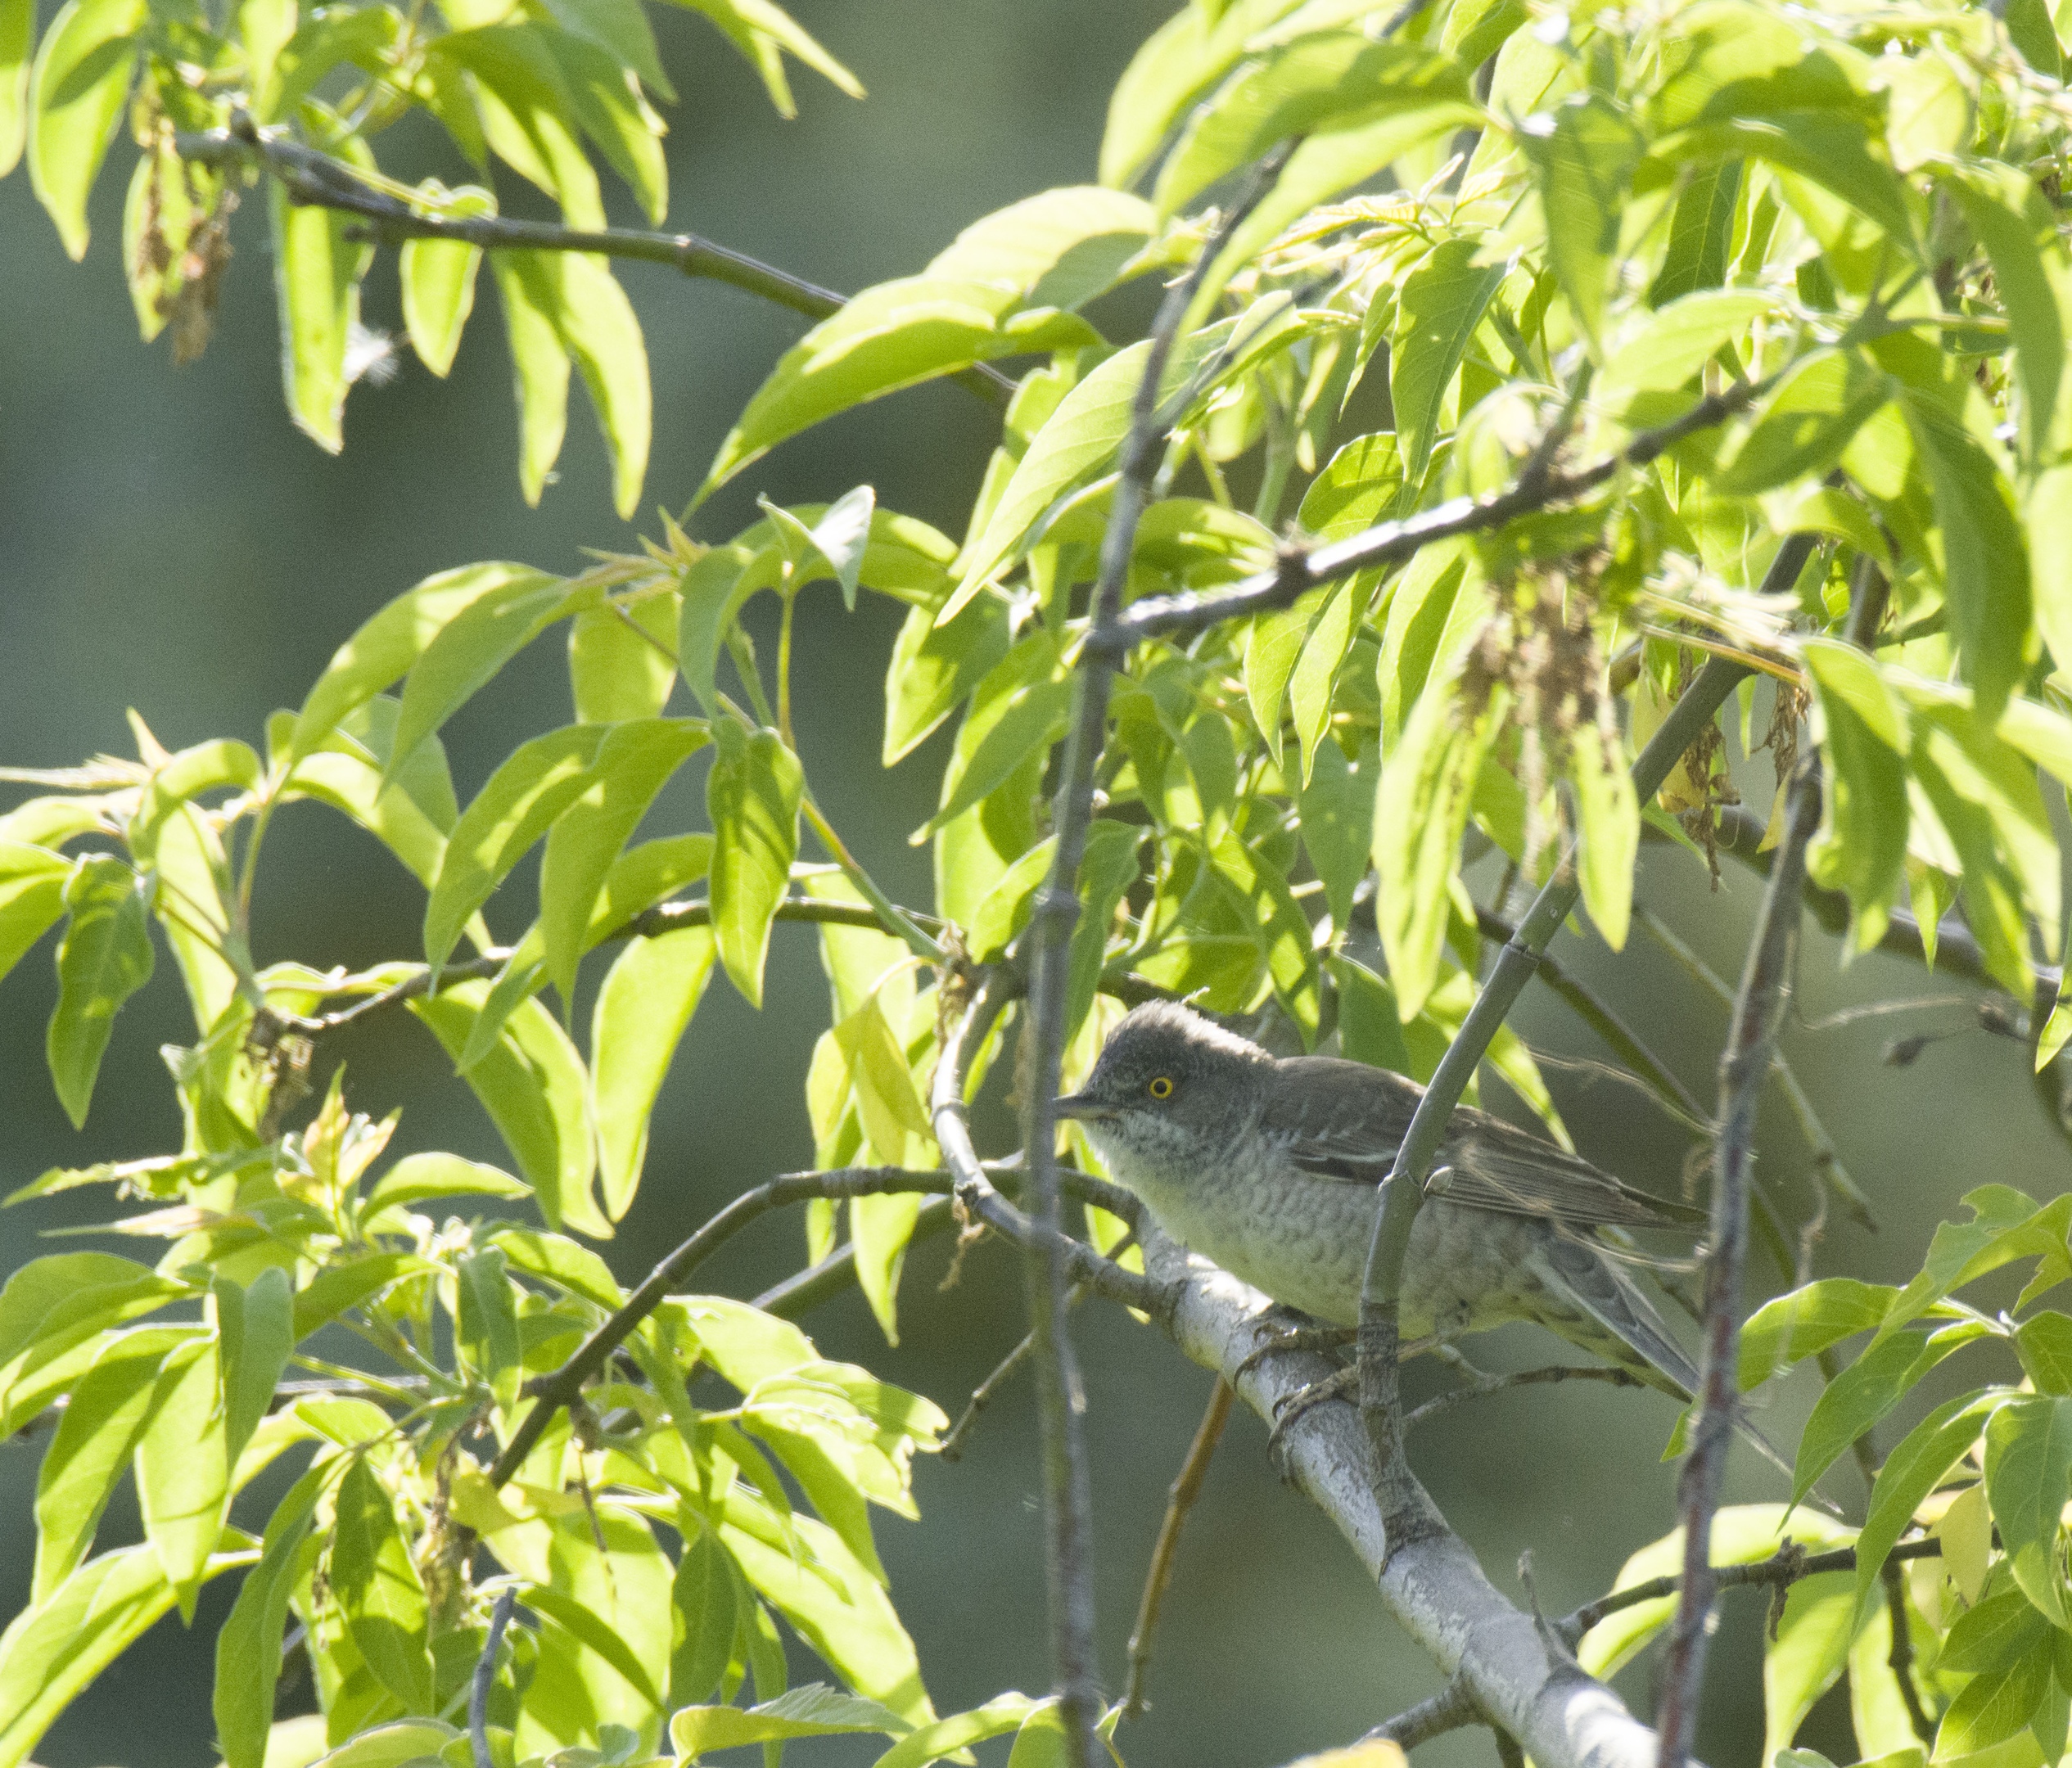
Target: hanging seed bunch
[(1540, 643)]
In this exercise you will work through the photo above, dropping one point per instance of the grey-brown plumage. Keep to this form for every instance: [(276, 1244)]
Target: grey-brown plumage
[(1270, 1166)]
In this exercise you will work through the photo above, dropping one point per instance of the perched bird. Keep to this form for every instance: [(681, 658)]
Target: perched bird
[(1270, 1165)]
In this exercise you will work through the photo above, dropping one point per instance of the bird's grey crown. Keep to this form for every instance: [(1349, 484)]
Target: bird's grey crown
[(1162, 1035)]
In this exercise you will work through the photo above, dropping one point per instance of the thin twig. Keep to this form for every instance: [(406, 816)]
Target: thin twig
[(484, 1678), (1900, 1660), (317, 180), (1180, 1500), (1402, 1192), (1067, 1495), (1780, 1571), (1744, 1065), (1455, 1397), (1297, 572), (1450, 1709)]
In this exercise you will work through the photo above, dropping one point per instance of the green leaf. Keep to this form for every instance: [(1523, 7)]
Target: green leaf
[(1079, 440), (1273, 643), (535, 784), (1001, 288), (632, 764), (248, 1650), (1316, 673), (1910, 1473), (702, 1617), (487, 1329), (527, 115), (1789, 1328), (377, 1588), (1017, 712), (438, 283), (317, 267), (1985, 565), (339, 1287), (539, 366), (1338, 809), (52, 1305), (1438, 308), (17, 39), (945, 1737), (1868, 1389), (764, 32), (813, 1711), (386, 646), (534, 1087), (50, 1651), (1861, 848), (562, 1262), (77, 93), (104, 1415), (1106, 869), (1673, 344), (934, 667), (1994, 1707), (605, 99), (1805, 1655), (715, 588), (2016, 236), (1330, 79), (1801, 428), (183, 1469), (621, 663), (648, 996), (1991, 1634), (1420, 815), (418, 1177), (32, 897), (104, 958), (2044, 1342), (1608, 818), (255, 1332), (469, 649), (752, 795), (1701, 231), (1360, 486), (1585, 159), (2028, 1466), (641, 876)]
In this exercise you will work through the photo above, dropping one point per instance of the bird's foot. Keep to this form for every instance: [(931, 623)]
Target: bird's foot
[(1284, 1338), (1343, 1385)]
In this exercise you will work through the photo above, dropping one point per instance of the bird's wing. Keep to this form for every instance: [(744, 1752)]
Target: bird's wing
[(1345, 1120)]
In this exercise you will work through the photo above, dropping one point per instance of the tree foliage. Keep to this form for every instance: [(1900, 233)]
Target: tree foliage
[(1542, 337)]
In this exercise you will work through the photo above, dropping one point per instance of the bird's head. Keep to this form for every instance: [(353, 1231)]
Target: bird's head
[(1167, 1077)]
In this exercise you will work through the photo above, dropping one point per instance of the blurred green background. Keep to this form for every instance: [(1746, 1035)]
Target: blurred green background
[(169, 543)]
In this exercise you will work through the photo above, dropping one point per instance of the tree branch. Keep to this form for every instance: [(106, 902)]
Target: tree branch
[(1428, 1579), (1180, 1500), (317, 180), (485, 1679), (1744, 1065), (1297, 572), (1402, 1192), (1457, 1397), (1450, 1709), (1780, 1571), (1067, 1495)]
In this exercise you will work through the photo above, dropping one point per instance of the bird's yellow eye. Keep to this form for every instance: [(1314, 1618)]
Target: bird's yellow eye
[(1161, 1087)]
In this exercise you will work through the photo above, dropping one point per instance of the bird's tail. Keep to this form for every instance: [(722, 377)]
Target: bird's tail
[(1600, 1309)]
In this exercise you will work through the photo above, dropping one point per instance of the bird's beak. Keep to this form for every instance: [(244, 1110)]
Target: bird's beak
[(1084, 1106)]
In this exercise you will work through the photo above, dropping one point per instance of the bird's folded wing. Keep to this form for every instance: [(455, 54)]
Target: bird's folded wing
[(1346, 1121)]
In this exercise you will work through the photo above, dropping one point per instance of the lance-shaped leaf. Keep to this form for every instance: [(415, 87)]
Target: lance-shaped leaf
[(1002, 287), (248, 1650), (539, 370), (317, 267), (53, 1650), (17, 39), (752, 794), (649, 997), (632, 764), (534, 1088), (814, 1710), (622, 661), (386, 646), (1801, 428), (467, 652), (255, 1336), (2029, 1469), (1421, 814), (32, 897), (1439, 305), (2017, 235), (1913, 1470), (104, 1415), (104, 958), (933, 667), (437, 278), (703, 1615), (377, 1588), (184, 1468), (1585, 155), (77, 93), (1862, 844), (538, 781)]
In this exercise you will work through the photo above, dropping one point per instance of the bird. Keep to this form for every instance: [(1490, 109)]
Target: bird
[(1269, 1166)]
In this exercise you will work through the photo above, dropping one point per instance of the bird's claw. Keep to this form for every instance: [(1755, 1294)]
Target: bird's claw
[(1284, 1339), (1342, 1384)]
